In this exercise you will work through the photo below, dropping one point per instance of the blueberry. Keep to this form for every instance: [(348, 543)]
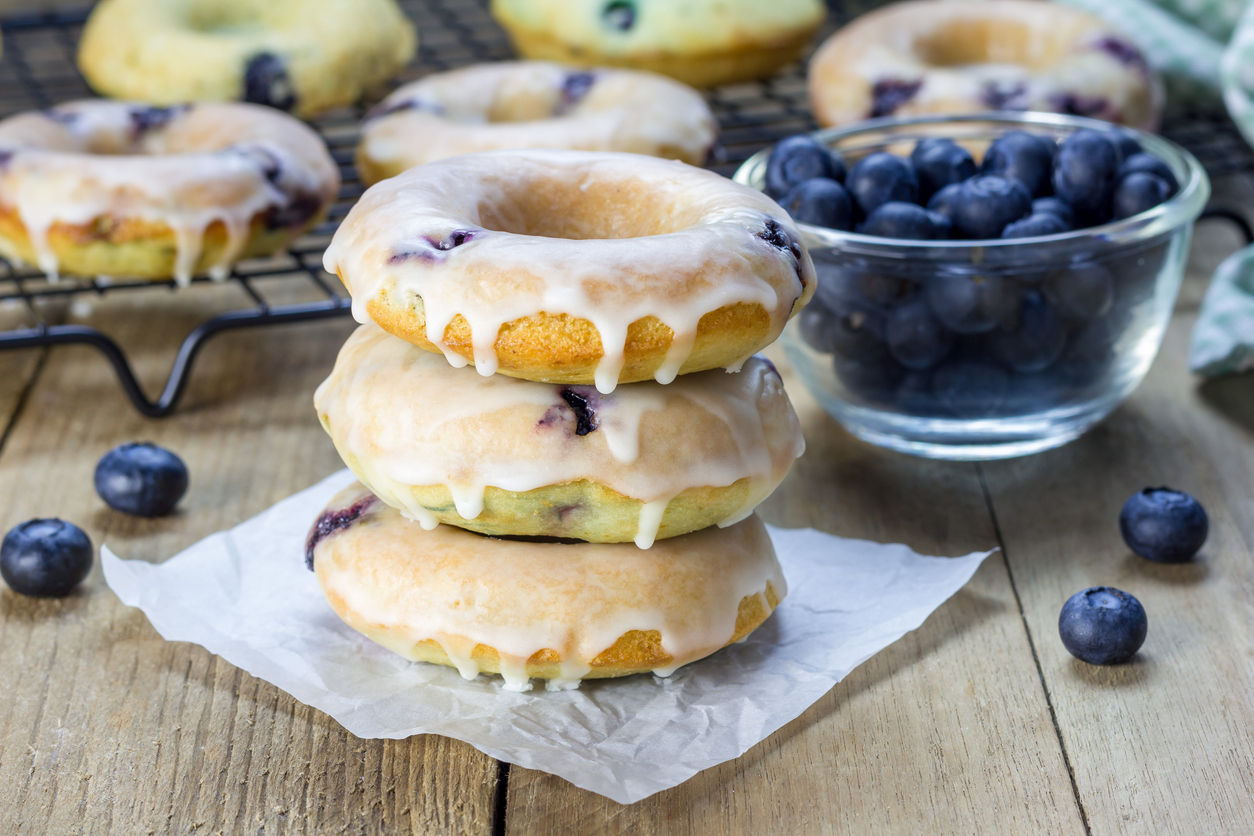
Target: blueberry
[(1127, 144), (1036, 341), (45, 558), (1137, 193), (797, 159), (583, 404), (1081, 291), (916, 338), (879, 178), (945, 201), (853, 329), (1102, 625), (266, 82), (1055, 206), (1084, 172), (896, 219), (888, 94), (842, 285), (141, 478), (872, 378), (820, 201), (1163, 525), (971, 304), (939, 163), (970, 388), (1149, 164), (619, 14), (1019, 155), (987, 203), (1044, 223)]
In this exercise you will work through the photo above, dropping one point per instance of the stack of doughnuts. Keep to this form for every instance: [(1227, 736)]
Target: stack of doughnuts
[(558, 474)]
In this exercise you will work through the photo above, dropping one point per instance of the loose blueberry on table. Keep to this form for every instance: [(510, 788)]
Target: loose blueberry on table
[(957, 340), (142, 479), (1164, 525), (1102, 625), (45, 558)]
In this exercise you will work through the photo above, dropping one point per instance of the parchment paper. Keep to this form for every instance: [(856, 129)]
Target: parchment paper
[(245, 595)]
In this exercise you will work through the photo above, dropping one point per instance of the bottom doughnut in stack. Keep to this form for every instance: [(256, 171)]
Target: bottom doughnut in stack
[(559, 611)]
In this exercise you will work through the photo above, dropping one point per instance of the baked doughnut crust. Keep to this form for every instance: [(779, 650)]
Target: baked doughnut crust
[(968, 56), (573, 267), (533, 104), (556, 611), (647, 461)]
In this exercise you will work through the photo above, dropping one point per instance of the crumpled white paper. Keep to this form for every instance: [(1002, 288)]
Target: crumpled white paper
[(246, 595)]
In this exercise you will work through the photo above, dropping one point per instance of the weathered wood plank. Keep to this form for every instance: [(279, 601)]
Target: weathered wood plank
[(1161, 744), (107, 728), (946, 730)]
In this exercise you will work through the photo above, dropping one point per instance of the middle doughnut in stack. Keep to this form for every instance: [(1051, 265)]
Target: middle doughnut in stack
[(526, 261)]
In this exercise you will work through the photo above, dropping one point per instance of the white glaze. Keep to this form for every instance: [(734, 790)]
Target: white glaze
[(400, 585), (401, 418), (86, 160), (520, 104), (609, 238)]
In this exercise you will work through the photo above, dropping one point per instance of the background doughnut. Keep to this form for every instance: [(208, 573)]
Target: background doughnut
[(966, 56), (128, 190), (302, 56), (533, 104), (704, 43)]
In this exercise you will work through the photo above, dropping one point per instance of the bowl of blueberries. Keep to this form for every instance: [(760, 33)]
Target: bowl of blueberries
[(989, 285)]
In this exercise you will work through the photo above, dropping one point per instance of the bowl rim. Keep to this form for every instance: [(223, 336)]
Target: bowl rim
[(1182, 208)]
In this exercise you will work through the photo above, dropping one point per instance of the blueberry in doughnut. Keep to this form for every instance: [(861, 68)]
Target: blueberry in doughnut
[(700, 42), (301, 56), (123, 189), (643, 463), (967, 56), (572, 266), (533, 104), (561, 612)]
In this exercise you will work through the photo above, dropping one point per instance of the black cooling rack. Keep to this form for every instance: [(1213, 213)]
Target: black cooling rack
[(38, 70)]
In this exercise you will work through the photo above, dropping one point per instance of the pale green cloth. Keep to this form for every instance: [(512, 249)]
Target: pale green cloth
[(1186, 57), (1217, 18), (1223, 339)]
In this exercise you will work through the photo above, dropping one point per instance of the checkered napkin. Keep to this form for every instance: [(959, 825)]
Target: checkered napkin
[(1223, 339)]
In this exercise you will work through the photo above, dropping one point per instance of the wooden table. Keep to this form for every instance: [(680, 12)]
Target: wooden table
[(978, 722)]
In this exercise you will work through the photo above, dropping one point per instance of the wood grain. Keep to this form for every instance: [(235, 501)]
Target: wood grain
[(949, 726), (1162, 744), (107, 728)]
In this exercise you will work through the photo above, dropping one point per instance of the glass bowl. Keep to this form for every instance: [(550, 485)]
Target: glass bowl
[(1046, 335)]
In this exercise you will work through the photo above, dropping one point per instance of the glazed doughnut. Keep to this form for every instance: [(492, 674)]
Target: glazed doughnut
[(572, 266), (965, 56), (551, 460), (303, 56), (118, 189), (700, 42), (556, 611), (533, 104)]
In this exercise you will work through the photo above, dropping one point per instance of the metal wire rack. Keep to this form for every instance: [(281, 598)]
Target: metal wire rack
[(38, 70)]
